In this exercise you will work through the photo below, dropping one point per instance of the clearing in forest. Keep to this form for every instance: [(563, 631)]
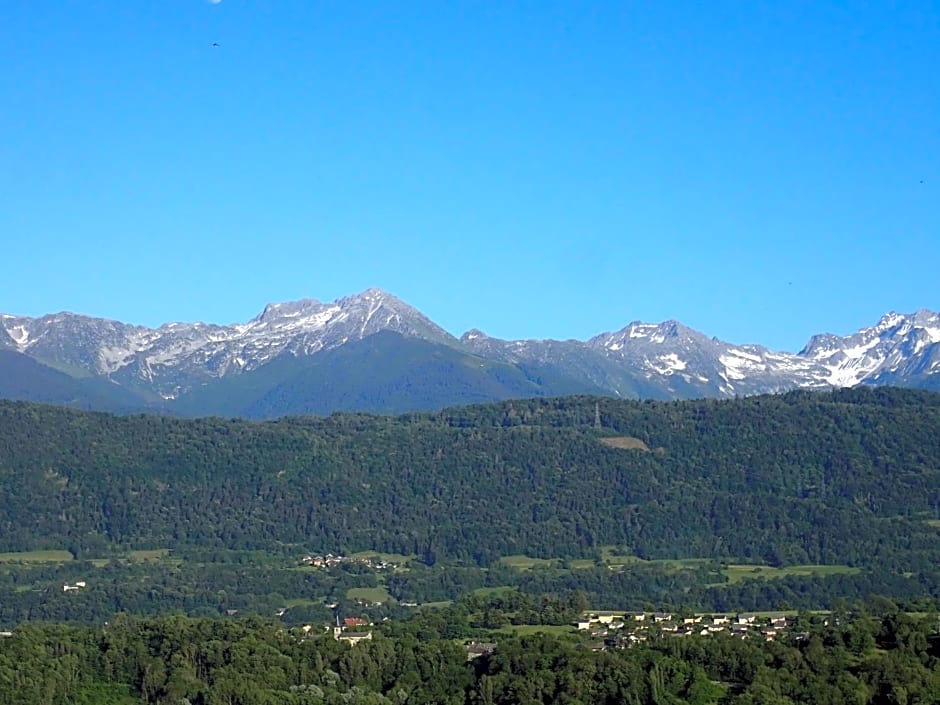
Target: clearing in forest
[(36, 557), (624, 443)]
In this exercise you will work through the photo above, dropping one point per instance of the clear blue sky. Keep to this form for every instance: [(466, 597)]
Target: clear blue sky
[(533, 169)]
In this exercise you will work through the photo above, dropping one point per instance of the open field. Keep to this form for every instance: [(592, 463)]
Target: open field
[(521, 562), (624, 443), (398, 558), (376, 594), (736, 573), (155, 554), (536, 628), (36, 557), (616, 559), (679, 563), (611, 556)]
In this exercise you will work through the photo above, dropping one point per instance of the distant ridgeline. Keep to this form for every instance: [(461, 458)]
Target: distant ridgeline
[(847, 477)]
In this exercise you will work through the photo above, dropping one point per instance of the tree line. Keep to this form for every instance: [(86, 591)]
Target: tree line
[(850, 477), (860, 658)]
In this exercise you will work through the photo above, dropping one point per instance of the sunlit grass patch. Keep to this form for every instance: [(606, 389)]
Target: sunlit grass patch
[(536, 628), (736, 573), (522, 562), (153, 554), (36, 557), (369, 594), (624, 443), (396, 558)]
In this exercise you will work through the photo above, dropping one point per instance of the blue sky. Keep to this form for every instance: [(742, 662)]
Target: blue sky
[(532, 169)]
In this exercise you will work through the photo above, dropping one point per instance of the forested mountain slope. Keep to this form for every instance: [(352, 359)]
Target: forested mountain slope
[(843, 477)]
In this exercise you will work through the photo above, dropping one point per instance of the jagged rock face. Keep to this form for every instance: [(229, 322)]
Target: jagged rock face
[(694, 361), (898, 347), (666, 360), (176, 356), (681, 362)]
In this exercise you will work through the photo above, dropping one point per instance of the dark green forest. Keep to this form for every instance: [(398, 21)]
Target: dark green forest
[(688, 506), (858, 659), (849, 477)]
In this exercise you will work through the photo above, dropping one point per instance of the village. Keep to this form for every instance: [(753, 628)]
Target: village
[(620, 630), (603, 629), (331, 560)]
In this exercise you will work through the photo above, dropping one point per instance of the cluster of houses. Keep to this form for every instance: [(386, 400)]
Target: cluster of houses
[(620, 630), (613, 630), (352, 630), (330, 560), (476, 649)]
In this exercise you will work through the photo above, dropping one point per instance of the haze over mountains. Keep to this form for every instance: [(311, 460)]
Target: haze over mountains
[(374, 352)]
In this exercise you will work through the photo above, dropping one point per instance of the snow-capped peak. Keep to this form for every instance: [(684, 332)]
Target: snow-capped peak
[(290, 309), (638, 332), (473, 334), (177, 355), (665, 359), (881, 350)]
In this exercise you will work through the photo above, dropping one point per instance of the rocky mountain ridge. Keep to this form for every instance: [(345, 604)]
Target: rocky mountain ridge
[(665, 360), (177, 356)]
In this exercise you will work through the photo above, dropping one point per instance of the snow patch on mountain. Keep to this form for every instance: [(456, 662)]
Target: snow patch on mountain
[(665, 360), (666, 364), (20, 336), (896, 342), (178, 355)]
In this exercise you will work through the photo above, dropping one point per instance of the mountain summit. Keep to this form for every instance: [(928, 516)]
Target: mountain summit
[(901, 350), (284, 348), (176, 357)]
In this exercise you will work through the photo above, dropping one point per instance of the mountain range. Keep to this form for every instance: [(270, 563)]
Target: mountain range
[(373, 352)]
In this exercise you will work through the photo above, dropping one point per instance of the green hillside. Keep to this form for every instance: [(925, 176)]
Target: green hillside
[(23, 378), (847, 478), (383, 373)]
